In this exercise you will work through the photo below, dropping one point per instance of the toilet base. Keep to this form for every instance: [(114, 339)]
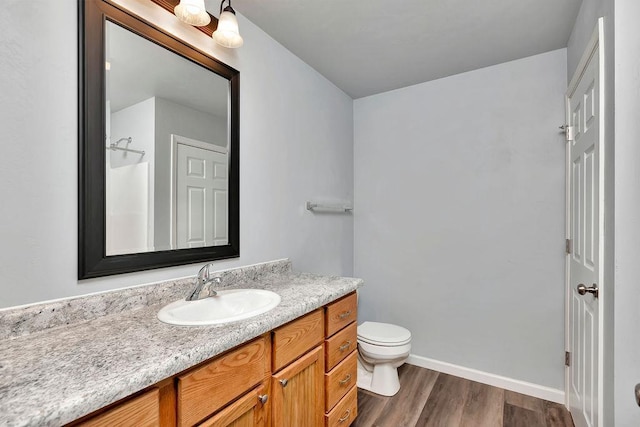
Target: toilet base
[(383, 380)]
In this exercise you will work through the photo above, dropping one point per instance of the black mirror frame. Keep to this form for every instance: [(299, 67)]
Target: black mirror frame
[(92, 258)]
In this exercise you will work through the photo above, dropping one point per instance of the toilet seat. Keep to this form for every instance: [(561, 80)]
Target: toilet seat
[(383, 334)]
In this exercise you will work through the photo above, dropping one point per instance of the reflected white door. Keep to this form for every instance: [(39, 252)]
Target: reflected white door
[(201, 194), (584, 261)]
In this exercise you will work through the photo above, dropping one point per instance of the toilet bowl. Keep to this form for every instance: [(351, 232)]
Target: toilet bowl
[(382, 348)]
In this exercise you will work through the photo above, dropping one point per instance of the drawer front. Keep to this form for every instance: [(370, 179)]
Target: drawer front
[(345, 411), (296, 338), (140, 411), (211, 386), (340, 380), (248, 411), (341, 313), (340, 346)]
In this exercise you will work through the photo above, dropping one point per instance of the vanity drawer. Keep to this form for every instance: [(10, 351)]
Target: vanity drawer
[(340, 380), (246, 411), (140, 411), (341, 313), (296, 338), (340, 345), (208, 388), (345, 411)]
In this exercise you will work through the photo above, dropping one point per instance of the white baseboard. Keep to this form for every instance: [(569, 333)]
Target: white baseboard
[(535, 390)]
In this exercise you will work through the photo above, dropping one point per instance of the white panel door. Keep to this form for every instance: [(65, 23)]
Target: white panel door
[(201, 196), (584, 260)]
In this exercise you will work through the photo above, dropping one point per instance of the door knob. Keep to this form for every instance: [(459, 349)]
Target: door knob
[(593, 289), (263, 398), (638, 394)]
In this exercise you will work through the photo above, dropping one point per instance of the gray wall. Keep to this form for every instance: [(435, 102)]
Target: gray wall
[(296, 132), (459, 218), (584, 26)]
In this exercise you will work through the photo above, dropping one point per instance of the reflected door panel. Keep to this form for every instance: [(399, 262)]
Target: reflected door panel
[(201, 195)]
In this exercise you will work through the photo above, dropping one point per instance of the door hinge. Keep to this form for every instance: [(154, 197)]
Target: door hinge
[(569, 132), (567, 246), (567, 358)]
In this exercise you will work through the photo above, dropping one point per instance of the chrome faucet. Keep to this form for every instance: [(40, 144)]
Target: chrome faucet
[(204, 281)]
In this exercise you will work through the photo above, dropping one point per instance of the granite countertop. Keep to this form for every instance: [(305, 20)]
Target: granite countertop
[(56, 375)]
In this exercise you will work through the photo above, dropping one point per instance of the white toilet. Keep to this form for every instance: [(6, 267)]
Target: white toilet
[(382, 348)]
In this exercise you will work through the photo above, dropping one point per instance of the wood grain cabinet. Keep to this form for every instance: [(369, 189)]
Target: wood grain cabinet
[(298, 392), (301, 374), (298, 381), (142, 410), (341, 368), (251, 410), (206, 389)]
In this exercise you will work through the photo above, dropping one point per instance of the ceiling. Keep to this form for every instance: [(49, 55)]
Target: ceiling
[(140, 69), (370, 46)]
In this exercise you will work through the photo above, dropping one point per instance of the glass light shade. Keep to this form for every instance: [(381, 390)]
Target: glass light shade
[(227, 33), (192, 12)]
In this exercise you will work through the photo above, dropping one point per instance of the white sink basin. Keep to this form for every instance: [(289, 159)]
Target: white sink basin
[(228, 306)]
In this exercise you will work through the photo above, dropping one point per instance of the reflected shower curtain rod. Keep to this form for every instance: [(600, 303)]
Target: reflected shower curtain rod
[(114, 146)]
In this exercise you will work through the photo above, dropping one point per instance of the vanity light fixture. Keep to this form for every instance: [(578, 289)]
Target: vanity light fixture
[(192, 12), (227, 33)]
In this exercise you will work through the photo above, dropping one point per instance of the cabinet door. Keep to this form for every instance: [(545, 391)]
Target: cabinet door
[(251, 410), (298, 392)]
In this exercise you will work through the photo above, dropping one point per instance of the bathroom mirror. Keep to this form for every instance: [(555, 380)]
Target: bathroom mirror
[(158, 152)]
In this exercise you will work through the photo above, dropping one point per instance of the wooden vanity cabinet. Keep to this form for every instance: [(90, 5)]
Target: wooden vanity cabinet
[(302, 374)]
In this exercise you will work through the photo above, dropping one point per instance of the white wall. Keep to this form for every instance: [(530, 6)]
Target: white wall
[(296, 133), (584, 26), (137, 122), (459, 216), (125, 217), (627, 209)]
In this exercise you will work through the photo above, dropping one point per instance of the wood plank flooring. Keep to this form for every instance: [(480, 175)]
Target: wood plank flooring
[(429, 398)]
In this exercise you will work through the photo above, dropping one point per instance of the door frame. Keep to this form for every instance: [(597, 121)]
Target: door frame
[(595, 42), (173, 211)]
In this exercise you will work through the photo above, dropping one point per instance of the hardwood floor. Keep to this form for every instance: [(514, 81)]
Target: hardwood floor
[(430, 398)]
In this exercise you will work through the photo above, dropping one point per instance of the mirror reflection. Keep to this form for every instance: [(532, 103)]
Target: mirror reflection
[(167, 148)]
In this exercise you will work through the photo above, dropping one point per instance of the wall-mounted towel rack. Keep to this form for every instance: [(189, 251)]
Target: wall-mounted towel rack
[(114, 146), (329, 207)]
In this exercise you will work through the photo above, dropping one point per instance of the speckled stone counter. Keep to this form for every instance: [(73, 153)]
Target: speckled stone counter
[(60, 361)]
